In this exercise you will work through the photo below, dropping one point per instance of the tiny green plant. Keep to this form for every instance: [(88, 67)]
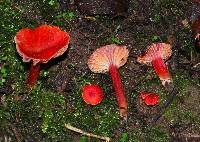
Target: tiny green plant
[(155, 38), (116, 40), (3, 75), (83, 139), (2, 81), (67, 15), (45, 73), (124, 137), (156, 18), (51, 2)]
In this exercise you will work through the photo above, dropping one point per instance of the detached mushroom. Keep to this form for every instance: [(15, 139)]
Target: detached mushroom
[(40, 45), (110, 58), (156, 54), (195, 20), (196, 28), (92, 94), (196, 1), (150, 99)]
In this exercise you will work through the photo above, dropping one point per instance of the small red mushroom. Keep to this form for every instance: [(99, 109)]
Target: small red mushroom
[(92, 94), (196, 1), (40, 45), (196, 28), (195, 20), (155, 55), (150, 99), (110, 58)]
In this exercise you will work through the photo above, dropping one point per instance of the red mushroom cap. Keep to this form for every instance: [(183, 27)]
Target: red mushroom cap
[(103, 57), (196, 28), (41, 44), (150, 99), (156, 50), (92, 94), (196, 1)]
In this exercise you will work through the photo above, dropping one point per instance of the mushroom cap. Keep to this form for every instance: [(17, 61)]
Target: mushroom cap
[(103, 57), (92, 94), (150, 99), (196, 1), (196, 27), (41, 44), (154, 51)]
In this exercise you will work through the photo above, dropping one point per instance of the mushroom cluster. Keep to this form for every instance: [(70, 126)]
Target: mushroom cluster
[(46, 42)]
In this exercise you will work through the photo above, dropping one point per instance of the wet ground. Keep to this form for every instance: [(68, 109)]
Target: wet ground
[(40, 114)]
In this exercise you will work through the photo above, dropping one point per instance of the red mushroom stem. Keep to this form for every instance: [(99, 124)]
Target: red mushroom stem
[(33, 75), (161, 70), (121, 99)]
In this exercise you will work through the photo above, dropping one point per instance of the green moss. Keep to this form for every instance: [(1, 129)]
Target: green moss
[(157, 135), (42, 113), (10, 24), (183, 81), (184, 112), (124, 137), (135, 136)]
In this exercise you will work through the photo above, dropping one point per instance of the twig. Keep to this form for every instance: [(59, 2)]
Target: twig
[(70, 127), (196, 65), (191, 135), (7, 139)]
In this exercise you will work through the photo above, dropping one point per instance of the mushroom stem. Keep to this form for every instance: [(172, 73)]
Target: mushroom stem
[(161, 70), (121, 99), (33, 75)]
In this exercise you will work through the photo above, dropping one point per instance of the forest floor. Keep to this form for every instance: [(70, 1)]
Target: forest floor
[(40, 114)]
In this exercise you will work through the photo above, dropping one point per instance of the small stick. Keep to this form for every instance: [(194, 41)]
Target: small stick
[(70, 127), (196, 65)]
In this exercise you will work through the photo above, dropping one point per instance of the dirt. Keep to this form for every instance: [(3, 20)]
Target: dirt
[(137, 29)]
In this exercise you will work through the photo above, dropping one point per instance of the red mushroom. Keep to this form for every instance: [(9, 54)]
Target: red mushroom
[(196, 28), (92, 94), (195, 20), (40, 45), (155, 55), (110, 58), (196, 1), (150, 99)]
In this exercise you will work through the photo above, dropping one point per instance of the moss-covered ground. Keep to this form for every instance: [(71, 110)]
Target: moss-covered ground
[(40, 114)]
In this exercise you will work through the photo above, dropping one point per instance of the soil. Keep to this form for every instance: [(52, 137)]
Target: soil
[(140, 25)]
